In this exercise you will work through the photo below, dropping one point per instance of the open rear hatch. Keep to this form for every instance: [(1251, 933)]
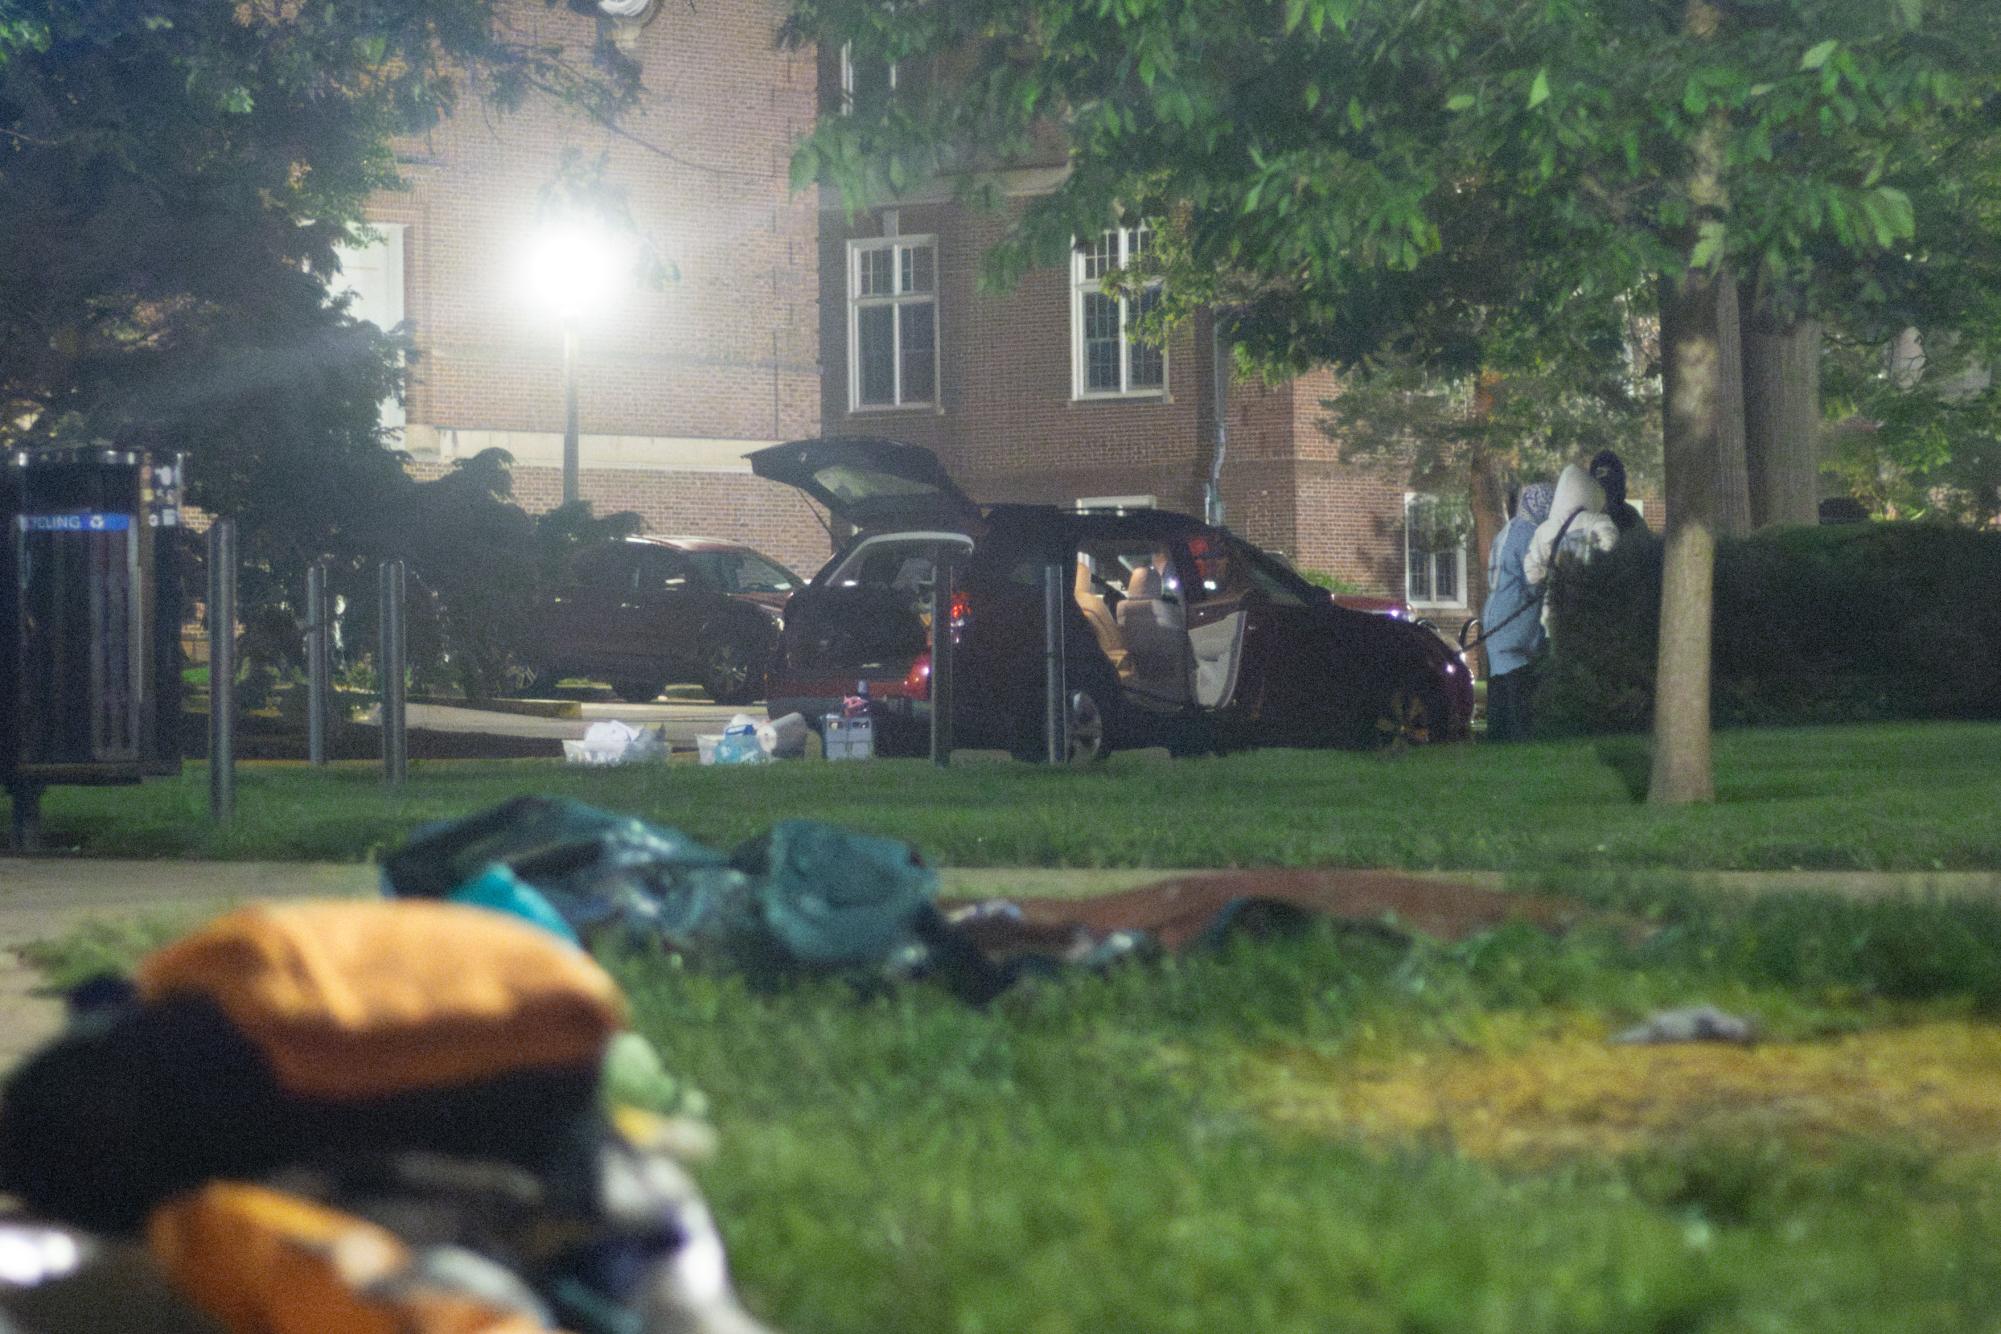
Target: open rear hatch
[(869, 482)]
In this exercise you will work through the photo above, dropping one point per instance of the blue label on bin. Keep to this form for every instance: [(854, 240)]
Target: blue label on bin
[(82, 521)]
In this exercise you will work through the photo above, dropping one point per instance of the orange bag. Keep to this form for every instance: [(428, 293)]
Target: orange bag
[(263, 1262), (371, 999)]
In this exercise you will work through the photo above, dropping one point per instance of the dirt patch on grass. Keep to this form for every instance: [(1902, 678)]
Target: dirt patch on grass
[(1934, 1085)]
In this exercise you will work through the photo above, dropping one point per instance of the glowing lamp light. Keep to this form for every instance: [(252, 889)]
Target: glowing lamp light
[(574, 268)]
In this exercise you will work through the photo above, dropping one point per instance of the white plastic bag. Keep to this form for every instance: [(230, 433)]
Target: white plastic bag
[(614, 742)]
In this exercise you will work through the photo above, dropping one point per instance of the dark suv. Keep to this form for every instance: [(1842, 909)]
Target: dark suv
[(647, 611), (1177, 633)]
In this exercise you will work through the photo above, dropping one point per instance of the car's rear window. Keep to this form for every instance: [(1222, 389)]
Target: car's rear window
[(742, 572)]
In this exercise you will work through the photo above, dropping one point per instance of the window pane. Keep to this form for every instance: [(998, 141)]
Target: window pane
[(875, 345), (1149, 366), (1138, 244), (1101, 343), (920, 350), (919, 264), (877, 270), (1417, 562), (1102, 257), (870, 80), (1445, 576)]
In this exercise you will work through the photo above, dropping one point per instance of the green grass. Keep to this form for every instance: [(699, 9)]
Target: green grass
[(1892, 797), (1099, 1153), (1087, 1157)]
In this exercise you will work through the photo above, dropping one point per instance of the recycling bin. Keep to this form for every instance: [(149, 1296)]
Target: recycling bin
[(90, 615)]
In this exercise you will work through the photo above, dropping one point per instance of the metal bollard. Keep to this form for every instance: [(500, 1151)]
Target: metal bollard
[(1056, 711), (943, 587), (222, 670), (319, 661), (391, 669)]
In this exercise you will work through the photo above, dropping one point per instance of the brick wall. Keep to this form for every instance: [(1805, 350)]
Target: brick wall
[(728, 351)]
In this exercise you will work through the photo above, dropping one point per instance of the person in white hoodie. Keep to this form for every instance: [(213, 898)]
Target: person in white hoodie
[(1577, 517)]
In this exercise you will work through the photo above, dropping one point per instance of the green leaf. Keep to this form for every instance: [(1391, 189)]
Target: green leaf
[(1897, 212), (1539, 90), (1817, 56), (1911, 12), (1356, 117), (1312, 96), (1708, 246), (1295, 11), (1460, 102)]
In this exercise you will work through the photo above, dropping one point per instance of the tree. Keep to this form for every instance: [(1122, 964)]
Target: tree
[(1303, 152), (175, 176)]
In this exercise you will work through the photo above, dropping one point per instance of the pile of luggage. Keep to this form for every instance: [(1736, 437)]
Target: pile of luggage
[(361, 1117)]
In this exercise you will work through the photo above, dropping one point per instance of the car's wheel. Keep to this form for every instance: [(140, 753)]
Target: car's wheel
[(733, 667), (1412, 716), (1090, 730), (638, 692)]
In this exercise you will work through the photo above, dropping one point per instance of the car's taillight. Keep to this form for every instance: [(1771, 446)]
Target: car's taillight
[(961, 614), (917, 681)]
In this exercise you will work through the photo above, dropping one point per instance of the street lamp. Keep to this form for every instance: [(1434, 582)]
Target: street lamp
[(572, 269)]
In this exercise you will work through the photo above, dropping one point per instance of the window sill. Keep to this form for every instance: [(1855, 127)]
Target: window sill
[(1434, 606), (877, 409), (1137, 396)]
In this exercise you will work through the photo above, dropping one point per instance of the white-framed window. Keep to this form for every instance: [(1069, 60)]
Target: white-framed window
[(1434, 569), (373, 274), (865, 83), (893, 323), (1105, 361)]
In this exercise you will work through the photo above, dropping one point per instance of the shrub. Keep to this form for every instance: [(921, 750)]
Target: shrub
[(1812, 625)]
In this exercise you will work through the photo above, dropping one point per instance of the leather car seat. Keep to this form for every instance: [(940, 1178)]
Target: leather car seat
[(1155, 636), (1103, 625)]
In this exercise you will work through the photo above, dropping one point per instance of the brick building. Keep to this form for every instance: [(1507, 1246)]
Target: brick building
[(1039, 395), (675, 385), (788, 319)]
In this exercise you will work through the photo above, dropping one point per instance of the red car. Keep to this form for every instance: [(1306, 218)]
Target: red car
[(648, 611), (1178, 633)]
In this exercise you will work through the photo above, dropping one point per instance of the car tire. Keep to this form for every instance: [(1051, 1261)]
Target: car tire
[(1092, 730), (1414, 715), (638, 692), (732, 665)]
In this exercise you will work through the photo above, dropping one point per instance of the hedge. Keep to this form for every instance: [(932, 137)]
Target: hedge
[(1845, 623)]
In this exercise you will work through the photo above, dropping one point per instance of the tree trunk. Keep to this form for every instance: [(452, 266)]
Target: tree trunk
[(1782, 419), (1693, 381), (1483, 477), (1692, 417), (1733, 485)]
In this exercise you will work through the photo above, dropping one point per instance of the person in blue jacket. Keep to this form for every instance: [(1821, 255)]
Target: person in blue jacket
[(1514, 633)]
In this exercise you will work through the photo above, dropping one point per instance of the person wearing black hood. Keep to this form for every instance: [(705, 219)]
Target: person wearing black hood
[(1609, 471)]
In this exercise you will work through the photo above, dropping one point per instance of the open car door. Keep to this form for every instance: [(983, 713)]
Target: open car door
[(1214, 590), (869, 482)]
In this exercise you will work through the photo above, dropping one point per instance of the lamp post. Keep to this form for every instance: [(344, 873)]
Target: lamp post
[(570, 449), (572, 269)]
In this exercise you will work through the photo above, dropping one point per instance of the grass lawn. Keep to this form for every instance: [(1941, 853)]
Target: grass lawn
[(1339, 1132), (1892, 797)]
